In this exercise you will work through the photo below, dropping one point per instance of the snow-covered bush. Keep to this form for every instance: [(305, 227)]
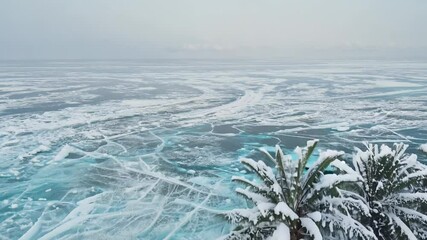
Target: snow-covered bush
[(394, 189), (293, 202)]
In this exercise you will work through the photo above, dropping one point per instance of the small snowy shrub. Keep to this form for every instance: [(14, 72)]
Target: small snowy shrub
[(291, 202), (394, 189)]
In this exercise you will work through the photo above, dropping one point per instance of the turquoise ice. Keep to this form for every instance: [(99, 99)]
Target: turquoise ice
[(137, 150)]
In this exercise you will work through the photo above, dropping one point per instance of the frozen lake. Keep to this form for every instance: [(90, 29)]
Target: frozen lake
[(146, 149)]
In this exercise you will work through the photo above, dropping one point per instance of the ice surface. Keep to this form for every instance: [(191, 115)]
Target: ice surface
[(146, 150)]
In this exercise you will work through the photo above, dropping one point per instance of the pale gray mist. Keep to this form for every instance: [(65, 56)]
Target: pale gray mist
[(107, 29)]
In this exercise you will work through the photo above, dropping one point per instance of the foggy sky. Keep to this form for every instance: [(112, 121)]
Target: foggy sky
[(107, 29)]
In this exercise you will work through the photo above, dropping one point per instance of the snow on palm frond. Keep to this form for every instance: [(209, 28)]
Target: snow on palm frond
[(393, 189), (294, 203)]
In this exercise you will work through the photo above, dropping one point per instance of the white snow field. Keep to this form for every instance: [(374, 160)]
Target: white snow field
[(146, 149)]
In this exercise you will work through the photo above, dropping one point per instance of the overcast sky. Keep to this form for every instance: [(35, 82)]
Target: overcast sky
[(62, 29)]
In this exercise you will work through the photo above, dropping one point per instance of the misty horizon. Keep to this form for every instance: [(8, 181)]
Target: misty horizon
[(213, 30)]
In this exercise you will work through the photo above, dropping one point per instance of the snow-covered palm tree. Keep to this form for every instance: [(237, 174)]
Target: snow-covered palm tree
[(394, 189), (293, 202)]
